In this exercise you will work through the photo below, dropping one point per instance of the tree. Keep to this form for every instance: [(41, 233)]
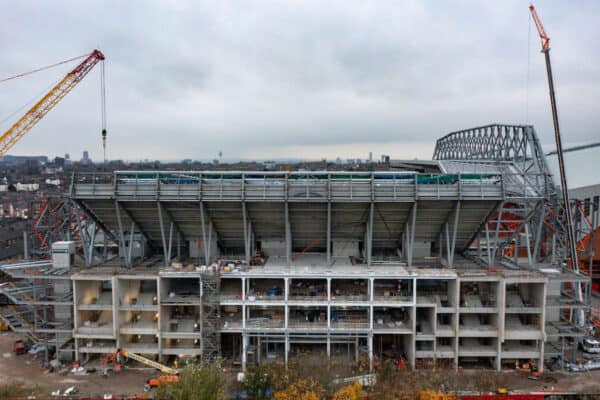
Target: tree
[(198, 382), (301, 390), (258, 382), (353, 391)]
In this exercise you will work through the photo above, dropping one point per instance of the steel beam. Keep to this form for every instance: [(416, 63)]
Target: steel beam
[(121, 234), (162, 233)]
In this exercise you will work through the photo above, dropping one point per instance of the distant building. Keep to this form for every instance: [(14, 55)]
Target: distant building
[(52, 182), (269, 165), (11, 237), (17, 160), (86, 157), (370, 156)]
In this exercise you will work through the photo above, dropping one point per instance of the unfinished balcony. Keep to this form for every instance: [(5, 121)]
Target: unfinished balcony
[(95, 324), (231, 318), (392, 320), (523, 327), (231, 291), (479, 297), (181, 347), (349, 318), (96, 346), (93, 294), (180, 291), (424, 349), (140, 344), (477, 347), (525, 298), (265, 290), (139, 322), (349, 290), (437, 292), (520, 349), (263, 317), (445, 347), (308, 318), (393, 291), (180, 321), (445, 325), (138, 295), (478, 325), (425, 323), (307, 290), (392, 347)]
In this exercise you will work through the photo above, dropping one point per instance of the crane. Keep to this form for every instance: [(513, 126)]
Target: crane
[(145, 361), (559, 150), (50, 99)]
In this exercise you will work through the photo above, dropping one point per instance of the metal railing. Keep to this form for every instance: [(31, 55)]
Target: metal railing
[(302, 186)]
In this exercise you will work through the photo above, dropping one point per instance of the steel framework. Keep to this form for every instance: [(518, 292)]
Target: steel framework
[(537, 225)]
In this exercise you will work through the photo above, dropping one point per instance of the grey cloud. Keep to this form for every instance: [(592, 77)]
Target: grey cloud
[(187, 79)]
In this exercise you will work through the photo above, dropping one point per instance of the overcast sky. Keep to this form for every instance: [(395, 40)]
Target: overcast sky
[(282, 79)]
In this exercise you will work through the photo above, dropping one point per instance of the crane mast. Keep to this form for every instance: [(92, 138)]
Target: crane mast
[(559, 150), (46, 103)]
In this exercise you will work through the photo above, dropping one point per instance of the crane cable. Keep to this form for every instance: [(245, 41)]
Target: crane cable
[(528, 68), (29, 102), (103, 110), (42, 68)]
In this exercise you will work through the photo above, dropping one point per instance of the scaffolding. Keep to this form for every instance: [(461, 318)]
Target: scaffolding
[(211, 318), (42, 306)]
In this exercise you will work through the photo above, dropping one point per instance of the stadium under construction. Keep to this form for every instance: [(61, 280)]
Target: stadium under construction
[(462, 259)]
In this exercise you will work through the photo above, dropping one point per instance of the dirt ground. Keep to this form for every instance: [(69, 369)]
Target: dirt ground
[(27, 369), (130, 382)]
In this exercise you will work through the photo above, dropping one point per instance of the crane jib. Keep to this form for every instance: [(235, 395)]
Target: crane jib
[(47, 102)]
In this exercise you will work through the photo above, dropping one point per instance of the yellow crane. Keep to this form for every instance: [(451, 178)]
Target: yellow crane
[(161, 367), (50, 99)]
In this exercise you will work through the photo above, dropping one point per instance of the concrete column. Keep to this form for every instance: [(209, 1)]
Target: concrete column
[(328, 345), (160, 316), (456, 299), (244, 303), (329, 233), (370, 344), (414, 290), (500, 304), (413, 345), (115, 306), (287, 349), (356, 349), (328, 305), (244, 290), (543, 327), (244, 351), (258, 349), (371, 289), (75, 317)]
